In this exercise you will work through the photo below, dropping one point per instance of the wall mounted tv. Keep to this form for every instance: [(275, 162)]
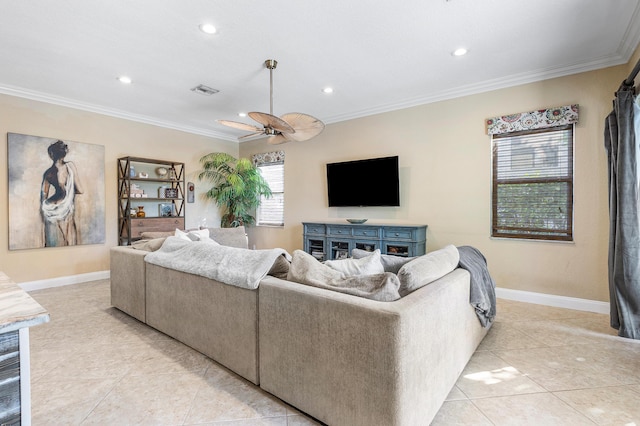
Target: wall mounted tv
[(370, 182)]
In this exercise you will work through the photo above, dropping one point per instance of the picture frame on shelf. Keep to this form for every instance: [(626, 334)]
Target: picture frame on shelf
[(165, 210), (171, 193)]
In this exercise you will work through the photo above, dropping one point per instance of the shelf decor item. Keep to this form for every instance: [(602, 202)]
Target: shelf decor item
[(172, 173), (162, 172), (171, 193), (356, 221), (165, 210), (140, 212)]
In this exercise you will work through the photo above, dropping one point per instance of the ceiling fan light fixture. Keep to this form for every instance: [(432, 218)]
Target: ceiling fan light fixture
[(293, 126)]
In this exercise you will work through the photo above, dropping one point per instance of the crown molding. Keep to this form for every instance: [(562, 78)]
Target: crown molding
[(489, 85), (111, 112)]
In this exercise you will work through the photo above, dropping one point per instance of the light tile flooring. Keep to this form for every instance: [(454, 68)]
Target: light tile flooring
[(94, 365)]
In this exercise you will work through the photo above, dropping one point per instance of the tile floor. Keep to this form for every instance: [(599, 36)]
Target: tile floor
[(94, 365)]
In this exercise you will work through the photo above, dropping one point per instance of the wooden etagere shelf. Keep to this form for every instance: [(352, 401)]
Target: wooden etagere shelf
[(156, 187)]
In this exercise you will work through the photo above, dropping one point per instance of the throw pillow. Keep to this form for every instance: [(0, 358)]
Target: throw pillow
[(157, 234), (306, 269), (390, 263), (425, 269), (182, 235), (368, 265), (148, 245), (280, 268), (195, 235)]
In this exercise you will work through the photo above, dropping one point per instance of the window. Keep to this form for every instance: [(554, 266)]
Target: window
[(271, 210), (532, 193)]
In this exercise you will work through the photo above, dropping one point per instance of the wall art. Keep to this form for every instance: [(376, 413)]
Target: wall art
[(56, 192)]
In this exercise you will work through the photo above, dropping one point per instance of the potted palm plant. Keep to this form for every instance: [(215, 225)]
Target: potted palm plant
[(237, 187)]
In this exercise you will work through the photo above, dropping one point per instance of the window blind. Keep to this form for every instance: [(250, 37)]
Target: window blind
[(532, 194), (271, 210)]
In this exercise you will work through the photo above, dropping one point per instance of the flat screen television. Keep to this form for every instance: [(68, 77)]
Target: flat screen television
[(370, 182)]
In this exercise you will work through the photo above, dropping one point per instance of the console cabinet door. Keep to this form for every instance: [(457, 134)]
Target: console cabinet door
[(339, 249)]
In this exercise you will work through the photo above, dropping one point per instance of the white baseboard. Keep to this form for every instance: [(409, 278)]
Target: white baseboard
[(553, 300), (60, 281), (502, 293)]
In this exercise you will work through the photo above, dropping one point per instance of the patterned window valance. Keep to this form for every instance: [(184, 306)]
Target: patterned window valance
[(540, 119), (273, 157)]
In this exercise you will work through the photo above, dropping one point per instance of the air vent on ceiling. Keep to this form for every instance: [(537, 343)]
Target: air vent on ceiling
[(204, 90)]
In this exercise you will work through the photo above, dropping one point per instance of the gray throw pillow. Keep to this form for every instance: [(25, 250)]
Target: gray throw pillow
[(390, 263), (425, 269), (280, 268)]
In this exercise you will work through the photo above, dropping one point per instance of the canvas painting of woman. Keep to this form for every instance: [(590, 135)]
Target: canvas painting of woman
[(56, 190)]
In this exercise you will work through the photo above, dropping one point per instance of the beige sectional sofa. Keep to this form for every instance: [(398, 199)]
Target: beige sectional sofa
[(342, 359)]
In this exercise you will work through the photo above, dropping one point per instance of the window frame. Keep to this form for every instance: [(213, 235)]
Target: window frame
[(564, 235), (259, 222)]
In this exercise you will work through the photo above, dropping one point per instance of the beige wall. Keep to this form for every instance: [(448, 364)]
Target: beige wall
[(120, 138), (445, 181), (445, 178)]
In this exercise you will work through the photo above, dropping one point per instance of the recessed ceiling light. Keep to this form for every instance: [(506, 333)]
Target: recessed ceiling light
[(327, 90), (124, 79), (459, 52), (208, 28), (242, 114)]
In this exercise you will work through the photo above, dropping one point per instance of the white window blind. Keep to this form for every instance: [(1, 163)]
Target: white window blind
[(271, 210), (532, 194)]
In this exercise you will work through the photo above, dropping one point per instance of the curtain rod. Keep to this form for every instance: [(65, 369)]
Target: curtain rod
[(632, 76)]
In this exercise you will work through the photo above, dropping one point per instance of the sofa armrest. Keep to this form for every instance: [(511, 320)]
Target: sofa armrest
[(349, 360), (128, 285)]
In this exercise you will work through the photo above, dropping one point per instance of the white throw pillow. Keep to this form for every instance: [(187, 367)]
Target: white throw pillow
[(368, 265), (428, 268), (182, 235), (196, 235)]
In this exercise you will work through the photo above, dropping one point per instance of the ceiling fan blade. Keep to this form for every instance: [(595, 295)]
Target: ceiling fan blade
[(306, 126), (241, 126), (278, 139), (272, 122), (250, 135)]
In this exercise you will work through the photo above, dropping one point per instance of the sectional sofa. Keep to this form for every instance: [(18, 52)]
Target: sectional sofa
[(343, 359)]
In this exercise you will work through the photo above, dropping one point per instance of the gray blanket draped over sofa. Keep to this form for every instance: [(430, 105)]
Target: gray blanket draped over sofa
[(483, 295), (230, 265)]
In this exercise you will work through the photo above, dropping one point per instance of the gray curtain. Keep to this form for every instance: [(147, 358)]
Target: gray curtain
[(624, 215)]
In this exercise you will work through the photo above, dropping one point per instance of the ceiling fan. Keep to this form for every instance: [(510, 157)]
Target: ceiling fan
[(294, 126)]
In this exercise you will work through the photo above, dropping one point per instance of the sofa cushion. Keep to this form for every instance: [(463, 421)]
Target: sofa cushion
[(230, 237), (390, 263), (425, 269), (306, 269), (367, 265)]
